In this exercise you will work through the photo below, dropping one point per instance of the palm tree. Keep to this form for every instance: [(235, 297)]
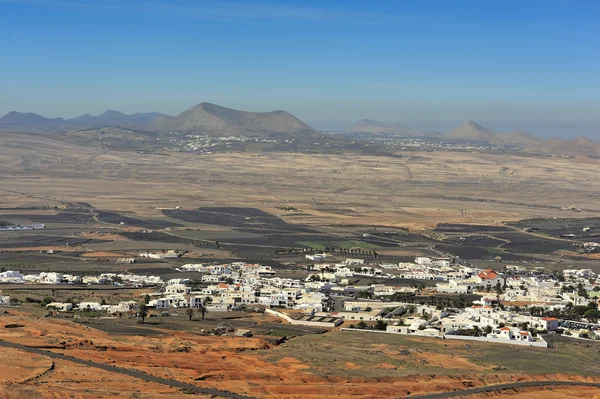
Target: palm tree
[(190, 313), (202, 310), (143, 312)]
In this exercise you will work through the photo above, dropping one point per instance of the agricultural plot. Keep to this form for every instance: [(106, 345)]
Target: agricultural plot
[(46, 241), (233, 217), (538, 247), (61, 218), (521, 243), (586, 229), (468, 228), (402, 237), (155, 237), (477, 241), (115, 218), (467, 252)]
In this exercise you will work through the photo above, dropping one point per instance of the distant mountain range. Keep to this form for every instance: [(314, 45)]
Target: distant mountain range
[(204, 118), (30, 121), (116, 118), (211, 119), (575, 147), (473, 132), (215, 120)]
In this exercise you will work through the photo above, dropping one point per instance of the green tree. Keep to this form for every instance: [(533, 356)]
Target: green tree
[(592, 315), (47, 300), (524, 326), (581, 291), (361, 325), (380, 325), (202, 310), (499, 288), (146, 299), (365, 294), (190, 313), (143, 312)]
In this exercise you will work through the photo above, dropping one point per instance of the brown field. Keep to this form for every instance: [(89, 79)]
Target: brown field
[(416, 190)]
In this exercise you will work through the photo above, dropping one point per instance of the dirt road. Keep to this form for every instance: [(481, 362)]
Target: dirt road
[(129, 372), (501, 387)]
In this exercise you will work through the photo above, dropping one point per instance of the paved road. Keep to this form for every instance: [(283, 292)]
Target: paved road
[(131, 373), (501, 387)]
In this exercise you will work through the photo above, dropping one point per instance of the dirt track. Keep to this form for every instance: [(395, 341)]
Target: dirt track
[(190, 387), (131, 373), (502, 387)]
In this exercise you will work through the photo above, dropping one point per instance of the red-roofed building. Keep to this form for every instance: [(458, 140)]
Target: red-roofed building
[(549, 323), (489, 278)]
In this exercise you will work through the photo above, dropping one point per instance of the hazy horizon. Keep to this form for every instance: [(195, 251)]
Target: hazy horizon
[(546, 129), (527, 65)]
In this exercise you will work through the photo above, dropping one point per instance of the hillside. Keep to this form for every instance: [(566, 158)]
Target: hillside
[(471, 131), (376, 127), (579, 146), (474, 132), (211, 119), (115, 118), (30, 122), (516, 138)]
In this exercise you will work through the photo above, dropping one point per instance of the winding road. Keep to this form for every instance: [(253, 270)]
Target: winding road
[(502, 387), (124, 371), (226, 394)]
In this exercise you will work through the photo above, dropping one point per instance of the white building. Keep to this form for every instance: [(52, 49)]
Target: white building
[(61, 306), (11, 276)]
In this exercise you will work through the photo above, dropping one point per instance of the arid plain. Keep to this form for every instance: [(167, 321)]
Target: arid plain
[(417, 189)]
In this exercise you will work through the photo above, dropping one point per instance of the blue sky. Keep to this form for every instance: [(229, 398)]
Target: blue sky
[(432, 64)]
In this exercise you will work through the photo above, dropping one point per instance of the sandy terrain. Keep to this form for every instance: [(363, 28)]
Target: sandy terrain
[(27, 376)]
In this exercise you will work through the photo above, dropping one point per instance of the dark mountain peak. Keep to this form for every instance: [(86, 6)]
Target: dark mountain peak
[(471, 131), (16, 117), (111, 113), (217, 120), (473, 124)]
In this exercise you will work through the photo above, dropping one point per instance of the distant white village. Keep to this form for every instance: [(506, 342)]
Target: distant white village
[(516, 305)]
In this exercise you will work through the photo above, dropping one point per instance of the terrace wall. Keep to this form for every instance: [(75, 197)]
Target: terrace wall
[(539, 344), (299, 322)]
